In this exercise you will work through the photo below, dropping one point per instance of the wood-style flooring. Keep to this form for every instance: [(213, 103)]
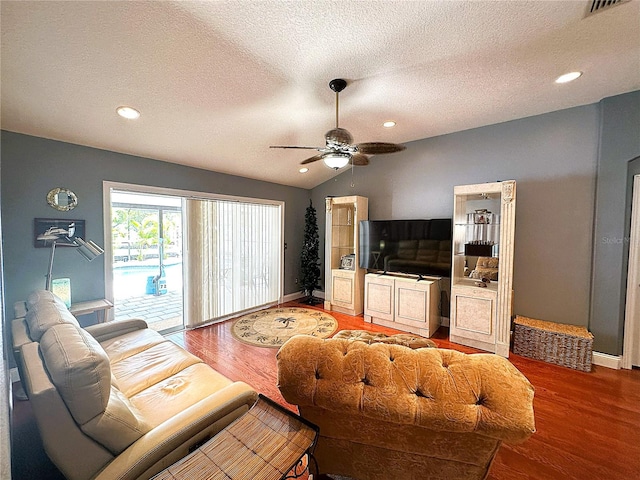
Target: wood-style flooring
[(588, 424)]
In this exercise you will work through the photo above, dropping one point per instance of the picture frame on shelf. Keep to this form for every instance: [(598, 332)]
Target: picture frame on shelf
[(482, 217), (348, 262)]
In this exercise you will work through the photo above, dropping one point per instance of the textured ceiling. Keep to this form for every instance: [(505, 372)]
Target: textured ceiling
[(218, 82)]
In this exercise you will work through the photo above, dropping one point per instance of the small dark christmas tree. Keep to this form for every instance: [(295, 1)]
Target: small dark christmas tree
[(309, 258)]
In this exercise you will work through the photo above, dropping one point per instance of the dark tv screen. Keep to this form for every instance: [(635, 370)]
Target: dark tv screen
[(407, 246)]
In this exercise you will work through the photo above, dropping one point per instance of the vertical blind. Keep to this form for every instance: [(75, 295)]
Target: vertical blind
[(234, 257)]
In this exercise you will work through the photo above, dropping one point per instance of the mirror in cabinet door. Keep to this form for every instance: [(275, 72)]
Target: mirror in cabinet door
[(477, 239)]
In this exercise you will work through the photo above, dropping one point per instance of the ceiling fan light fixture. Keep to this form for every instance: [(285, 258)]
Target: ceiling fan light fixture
[(339, 149), (336, 160)]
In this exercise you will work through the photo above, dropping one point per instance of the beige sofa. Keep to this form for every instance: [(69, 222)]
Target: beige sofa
[(390, 412), (117, 400)]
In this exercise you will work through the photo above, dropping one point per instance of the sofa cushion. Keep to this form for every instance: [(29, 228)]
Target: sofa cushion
[(486, 267), (150, 366), (124, 346), (79, 368), (45, 314), (427, 250), (39, 297), (444, 252), (169, 397)]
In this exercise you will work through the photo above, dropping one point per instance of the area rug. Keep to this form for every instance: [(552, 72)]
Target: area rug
[(274, 326)]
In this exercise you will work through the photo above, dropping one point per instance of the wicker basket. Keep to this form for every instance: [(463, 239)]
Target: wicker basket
[(565, 345)]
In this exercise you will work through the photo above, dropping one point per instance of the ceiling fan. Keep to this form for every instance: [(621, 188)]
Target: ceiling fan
[(339, 149)]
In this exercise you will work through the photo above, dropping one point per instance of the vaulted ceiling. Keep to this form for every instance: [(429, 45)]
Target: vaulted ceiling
[(218, 82)]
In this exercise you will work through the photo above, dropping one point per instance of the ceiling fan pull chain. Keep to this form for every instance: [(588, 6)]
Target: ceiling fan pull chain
[(353, 184)]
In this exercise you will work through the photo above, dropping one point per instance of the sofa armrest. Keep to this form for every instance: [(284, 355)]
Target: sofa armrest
[(105, 331), (20, 309), (19, 338), (19, 333), (388, 259), (175, 438)]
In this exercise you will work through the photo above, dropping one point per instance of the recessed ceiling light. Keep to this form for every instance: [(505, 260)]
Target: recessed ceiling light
[(568, 77), (303, 170), (128, 112), (389, 124)]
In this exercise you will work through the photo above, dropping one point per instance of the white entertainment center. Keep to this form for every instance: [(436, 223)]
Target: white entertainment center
[(405, 302), (478, 259)]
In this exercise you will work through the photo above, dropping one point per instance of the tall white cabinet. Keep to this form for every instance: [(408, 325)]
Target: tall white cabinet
[(344, 279), (482, 266)]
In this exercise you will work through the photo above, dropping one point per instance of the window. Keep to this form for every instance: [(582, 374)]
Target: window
[(234, 256), (231, 262)]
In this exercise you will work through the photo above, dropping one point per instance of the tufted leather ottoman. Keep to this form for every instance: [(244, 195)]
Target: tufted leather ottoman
[(406, 339)]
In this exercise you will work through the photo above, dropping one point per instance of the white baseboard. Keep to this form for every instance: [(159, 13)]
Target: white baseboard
[(295, 296), (292, 296), (14, 375), (606, 360)]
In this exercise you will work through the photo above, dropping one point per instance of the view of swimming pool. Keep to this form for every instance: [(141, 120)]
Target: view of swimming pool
[(130, 278)]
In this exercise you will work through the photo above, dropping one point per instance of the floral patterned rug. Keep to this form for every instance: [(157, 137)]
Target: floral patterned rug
[(274, 326)]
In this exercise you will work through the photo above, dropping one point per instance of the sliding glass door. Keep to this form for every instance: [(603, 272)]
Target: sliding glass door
[(188, 259), (147, 264)]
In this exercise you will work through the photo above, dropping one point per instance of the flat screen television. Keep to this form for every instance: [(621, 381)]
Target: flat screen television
[(421, 247)]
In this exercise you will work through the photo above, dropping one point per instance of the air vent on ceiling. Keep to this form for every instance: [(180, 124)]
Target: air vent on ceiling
[(597, 6)]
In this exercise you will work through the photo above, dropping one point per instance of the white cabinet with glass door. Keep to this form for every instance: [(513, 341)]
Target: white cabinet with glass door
[(344, 279), (482, 267)]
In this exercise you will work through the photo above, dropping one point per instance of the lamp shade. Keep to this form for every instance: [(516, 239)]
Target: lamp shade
[(336, 160), (89, 250)]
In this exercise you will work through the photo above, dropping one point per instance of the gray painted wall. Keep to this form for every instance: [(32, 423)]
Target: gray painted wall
[(619, 144), (5, 386), (552, 157), (32, 166), (570, 250)]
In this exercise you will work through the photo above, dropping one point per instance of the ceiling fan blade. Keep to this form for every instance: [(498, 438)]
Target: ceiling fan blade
[(375, 148), (315, 158), (287, 146), (359, 159)]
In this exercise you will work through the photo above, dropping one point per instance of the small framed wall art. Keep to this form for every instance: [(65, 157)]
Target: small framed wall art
[(63, 230)]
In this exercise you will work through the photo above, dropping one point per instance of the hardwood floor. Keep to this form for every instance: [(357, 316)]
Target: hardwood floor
[(588, 424)]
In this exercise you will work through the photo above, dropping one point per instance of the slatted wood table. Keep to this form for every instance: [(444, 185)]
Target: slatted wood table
[(267, 443)]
